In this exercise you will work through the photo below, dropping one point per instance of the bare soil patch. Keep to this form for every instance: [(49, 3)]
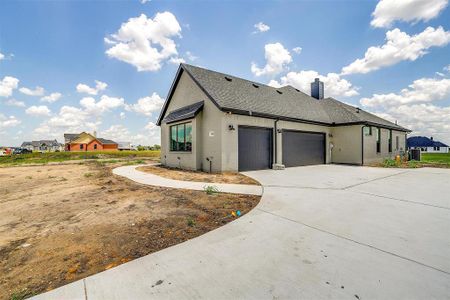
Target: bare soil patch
[(61, 223), (199, 176)]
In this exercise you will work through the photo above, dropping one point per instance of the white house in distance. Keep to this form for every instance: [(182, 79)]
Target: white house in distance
[(425, 144)]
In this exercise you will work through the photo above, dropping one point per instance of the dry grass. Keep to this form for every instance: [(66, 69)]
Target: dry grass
[(58, 225), (186, 175)]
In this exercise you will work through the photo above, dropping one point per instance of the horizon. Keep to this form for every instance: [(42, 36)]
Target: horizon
[(74, 66)]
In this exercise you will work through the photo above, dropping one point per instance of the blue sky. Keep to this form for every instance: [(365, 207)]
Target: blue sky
[(66, 67)]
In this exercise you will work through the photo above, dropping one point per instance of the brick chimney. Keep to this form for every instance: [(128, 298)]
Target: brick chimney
[(317, 89)]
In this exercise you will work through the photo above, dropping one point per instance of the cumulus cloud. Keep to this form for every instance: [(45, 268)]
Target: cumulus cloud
[(14, 102), (7, 122), (335, 86), (399, 46), (177, 60), (297, 50), (53, 97), (420, 91), (388, 11), (84, 88), (122, 115), (105, 104), (447, 68), (191, 56), (146, 43), (2, 56), (261, 27), (7, 85), (38, 91), (147, 105), (277, 58), (38, 111), (149, 136)]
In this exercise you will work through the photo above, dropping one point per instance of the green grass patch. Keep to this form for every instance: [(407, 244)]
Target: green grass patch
[(437, 158), (44, 158)]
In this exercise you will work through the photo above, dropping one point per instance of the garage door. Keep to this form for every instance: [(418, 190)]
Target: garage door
[(255, 148), (303, 148)]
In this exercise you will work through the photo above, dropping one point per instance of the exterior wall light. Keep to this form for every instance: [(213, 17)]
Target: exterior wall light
[(231, 127)]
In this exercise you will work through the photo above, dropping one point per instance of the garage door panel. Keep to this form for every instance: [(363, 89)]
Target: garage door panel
[(255, 148), (303, 148)]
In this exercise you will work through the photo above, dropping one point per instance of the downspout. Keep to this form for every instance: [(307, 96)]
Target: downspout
[(362, 145)]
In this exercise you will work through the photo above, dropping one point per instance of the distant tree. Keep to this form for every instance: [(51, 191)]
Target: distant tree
[(156, 147), (141, 148)]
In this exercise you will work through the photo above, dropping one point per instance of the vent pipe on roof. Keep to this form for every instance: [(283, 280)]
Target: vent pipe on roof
[(431, 138), (317, 89)]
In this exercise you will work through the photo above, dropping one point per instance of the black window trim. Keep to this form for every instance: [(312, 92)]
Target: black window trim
[(390, 141), (379, 140), (184, 142)]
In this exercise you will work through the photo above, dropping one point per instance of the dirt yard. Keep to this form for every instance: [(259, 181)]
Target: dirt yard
[(172, 173), (65, 222)]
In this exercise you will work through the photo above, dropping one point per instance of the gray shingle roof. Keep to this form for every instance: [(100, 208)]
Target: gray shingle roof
[(68, 137), (105, 141), (238, 95), (184, 113)]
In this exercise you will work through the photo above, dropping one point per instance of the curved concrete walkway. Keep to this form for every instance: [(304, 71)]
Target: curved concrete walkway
[(319, 232), (131, 173)]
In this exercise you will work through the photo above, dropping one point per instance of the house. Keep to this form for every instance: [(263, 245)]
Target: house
[(218, 122), (87, 142), (123, 146), (43, 146), (425, 144)]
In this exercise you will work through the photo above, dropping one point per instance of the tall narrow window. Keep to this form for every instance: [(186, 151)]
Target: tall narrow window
[(81, 146), (181, 137), (95, 146), (397, 138), (390, 141), (378, 140)]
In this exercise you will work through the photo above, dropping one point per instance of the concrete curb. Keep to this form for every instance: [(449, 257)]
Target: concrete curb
[(131, 173)]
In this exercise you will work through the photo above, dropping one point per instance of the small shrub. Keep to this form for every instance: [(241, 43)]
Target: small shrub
[(29, 177), (210, 189), (63, 179), (390, 163), (413, 164), (190, 222)]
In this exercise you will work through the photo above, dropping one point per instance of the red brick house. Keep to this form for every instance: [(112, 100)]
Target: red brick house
[(88, 142)]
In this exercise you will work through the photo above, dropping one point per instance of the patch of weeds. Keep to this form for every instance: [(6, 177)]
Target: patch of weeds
[(87, 175), (210, 189), (21, 295), (413, 164), (63, 179), (29, 177), (390, 163), (51, 177), (190, 222)]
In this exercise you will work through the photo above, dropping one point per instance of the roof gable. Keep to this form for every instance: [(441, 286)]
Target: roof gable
[(83, 138), (423, 141)]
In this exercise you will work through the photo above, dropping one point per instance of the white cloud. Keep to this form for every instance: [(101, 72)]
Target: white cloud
[(447, 68), (177, 60), (84, 88), (146, 43), (335, 86), (440, 74), (261, 27), (38, 111), (7, 122), (2, 56), (105, 104), (144, 1), (53, 97), (147, 105), (191, 56), (420, 91), (14, 102), (399, 46), (38, 91), (7, 85), (122, 115), (297, 50), (388, 11), (119, 133), (423, 119), (277, 58)]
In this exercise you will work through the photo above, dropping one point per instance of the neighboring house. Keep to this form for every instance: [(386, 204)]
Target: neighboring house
[(213, 120), (43, 146), (426, 144), (87, 142)]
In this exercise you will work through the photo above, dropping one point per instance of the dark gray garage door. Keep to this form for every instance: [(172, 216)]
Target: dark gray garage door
[(303, 148), (255, 148)]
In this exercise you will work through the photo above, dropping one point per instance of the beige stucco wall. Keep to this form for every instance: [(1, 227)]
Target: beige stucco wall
[(346, 142), (206, 135), (370, 144)]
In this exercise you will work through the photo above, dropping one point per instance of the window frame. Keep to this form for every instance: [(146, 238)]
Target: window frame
[(390, 141), (369, 133), (81, 146), (185, 147), (378, 148), (397, 142)]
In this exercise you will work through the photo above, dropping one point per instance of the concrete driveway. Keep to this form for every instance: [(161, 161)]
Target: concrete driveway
[(319, 232)]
